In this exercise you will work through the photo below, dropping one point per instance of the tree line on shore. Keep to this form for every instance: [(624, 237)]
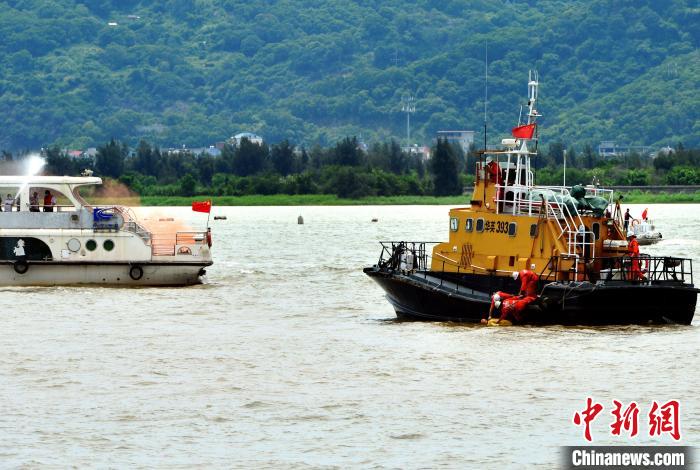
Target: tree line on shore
[(349, 171)]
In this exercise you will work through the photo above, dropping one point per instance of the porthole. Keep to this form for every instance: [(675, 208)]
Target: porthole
[(469, 226), (108, 245), (512, 229), (91, 245), (73, 244), (479, 225), (533, 230)]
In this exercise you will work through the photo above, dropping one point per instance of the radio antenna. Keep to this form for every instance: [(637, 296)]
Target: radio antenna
[(486, 89)]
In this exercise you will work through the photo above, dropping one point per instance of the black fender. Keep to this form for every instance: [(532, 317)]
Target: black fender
[(136, 272), (21, 266)]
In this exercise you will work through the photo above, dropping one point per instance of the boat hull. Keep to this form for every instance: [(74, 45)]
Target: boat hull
[(425, 296), (104, 274)]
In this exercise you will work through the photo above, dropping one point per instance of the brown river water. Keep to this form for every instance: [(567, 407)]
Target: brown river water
[(290, 357)]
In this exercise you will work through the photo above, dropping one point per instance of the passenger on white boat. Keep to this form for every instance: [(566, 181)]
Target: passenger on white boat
[(9, 202), (34, 202), (49, 201)]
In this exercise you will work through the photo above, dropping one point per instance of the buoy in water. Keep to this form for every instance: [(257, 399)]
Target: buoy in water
[(495, 322), (219, 217), (375, 219), (300, 220)]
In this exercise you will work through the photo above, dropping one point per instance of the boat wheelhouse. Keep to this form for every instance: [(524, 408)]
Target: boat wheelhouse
[(51, 236), (571, 237)]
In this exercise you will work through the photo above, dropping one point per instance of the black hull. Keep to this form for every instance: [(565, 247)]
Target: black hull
[(466, 298)]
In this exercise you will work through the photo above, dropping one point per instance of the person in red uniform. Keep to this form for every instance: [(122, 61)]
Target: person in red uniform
[(493, 169), (512, 306), (49, 201), (493, 172), (633, 250)]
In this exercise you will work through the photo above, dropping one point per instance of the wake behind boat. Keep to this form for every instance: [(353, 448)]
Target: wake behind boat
[(43, 242), (534, 254)]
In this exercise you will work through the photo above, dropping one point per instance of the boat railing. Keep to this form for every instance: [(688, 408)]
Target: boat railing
[(519, 200), (190, 238), (413, 258), (167, 244), (640, 269)]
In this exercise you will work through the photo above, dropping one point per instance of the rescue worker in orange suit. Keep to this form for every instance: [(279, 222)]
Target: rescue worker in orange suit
[(512, 306), (493, 172), (633, 250)]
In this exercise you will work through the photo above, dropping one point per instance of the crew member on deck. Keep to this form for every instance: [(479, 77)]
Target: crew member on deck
[(493, 170), (627, 219), (633, 250), (493, 174), (512, 306)]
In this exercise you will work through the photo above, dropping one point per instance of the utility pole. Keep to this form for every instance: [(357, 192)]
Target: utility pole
[(408, 106)]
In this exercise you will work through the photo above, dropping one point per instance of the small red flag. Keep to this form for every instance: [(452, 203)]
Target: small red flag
[(524, 132), (644, 214), (201, 206)]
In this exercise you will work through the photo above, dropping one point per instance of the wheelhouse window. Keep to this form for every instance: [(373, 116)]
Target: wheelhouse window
[(512, 229), (533, 230), (454, 224), (479, 225), (469, 226)]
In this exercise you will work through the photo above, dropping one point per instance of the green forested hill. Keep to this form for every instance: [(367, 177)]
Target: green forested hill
[(197, 71)]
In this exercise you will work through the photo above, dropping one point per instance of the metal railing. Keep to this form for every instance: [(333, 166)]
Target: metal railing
[(165, 245), (641, 269), (393, 257)]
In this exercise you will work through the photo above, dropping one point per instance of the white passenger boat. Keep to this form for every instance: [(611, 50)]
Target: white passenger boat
[(74, 242), (645, 231)]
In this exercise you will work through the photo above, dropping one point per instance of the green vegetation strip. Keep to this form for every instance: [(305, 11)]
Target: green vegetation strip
[(641, 197), (332, 200), (304, 200)]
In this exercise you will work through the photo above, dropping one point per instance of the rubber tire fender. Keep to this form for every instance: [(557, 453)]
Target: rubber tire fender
[(136, 272), (21, 266)]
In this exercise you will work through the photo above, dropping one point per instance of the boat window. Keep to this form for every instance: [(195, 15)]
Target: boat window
[(533, 230), (469, 225), (108, 245), (454, 223), (91, 245), (596, 230), (479, 225), (512, 229)]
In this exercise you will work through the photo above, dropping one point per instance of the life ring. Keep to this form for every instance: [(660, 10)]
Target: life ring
[(21, 266), (136, 273), (635, 222)]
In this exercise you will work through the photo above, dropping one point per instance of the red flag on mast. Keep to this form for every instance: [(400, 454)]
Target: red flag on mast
[(524, 132), (201, 206)]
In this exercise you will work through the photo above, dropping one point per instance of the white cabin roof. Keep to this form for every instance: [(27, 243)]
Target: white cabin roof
[(48, 180)]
